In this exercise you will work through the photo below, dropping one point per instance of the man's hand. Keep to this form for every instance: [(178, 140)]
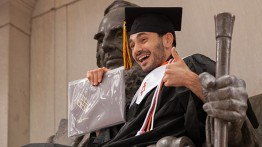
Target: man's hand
[(226, 99), (178, 74), (95, 76)]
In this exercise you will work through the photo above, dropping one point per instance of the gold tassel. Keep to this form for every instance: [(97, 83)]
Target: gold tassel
[(126, 51)]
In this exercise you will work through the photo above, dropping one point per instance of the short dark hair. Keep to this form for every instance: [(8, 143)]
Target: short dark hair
[(119, 4)]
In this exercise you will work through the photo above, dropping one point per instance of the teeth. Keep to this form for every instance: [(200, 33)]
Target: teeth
[(141, 58)]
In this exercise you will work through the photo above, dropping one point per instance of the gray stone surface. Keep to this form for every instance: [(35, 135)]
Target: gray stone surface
[(61, 136)]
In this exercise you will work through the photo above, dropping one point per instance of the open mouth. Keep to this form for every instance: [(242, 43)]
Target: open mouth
[(143, 57)]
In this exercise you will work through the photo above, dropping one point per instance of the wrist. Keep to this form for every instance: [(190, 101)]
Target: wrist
[(191, 80), (193, 83)]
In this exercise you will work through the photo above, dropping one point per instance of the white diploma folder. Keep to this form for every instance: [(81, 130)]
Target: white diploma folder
[(91, 108)]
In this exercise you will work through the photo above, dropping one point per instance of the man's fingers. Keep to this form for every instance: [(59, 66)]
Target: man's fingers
[(100, 74), (95, 76), (90, 76), (207, 80), (105, 69), (175, 55)]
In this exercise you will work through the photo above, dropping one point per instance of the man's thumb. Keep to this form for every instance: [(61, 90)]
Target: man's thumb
[(175, 55)]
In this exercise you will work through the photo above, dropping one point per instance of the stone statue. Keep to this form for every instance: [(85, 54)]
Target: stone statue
[(109, 54)]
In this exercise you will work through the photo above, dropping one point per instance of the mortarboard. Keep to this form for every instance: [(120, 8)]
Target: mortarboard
[(154, 19), (149, 19)]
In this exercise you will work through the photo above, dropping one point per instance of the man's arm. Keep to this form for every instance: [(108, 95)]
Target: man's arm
[(193, 83), (178, 74)]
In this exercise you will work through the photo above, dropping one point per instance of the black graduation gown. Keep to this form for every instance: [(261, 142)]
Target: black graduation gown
[(179, 112)]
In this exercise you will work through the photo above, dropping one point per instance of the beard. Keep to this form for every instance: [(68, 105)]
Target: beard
[(159, 57)]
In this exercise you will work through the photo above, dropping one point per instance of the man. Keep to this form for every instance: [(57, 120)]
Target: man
[(174, 108)]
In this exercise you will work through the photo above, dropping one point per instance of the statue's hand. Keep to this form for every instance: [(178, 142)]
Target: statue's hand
[(226, 98)]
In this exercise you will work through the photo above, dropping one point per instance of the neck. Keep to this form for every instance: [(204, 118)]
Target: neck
[(169, 57)]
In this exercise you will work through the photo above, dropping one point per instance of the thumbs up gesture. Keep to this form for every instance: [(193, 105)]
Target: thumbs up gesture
[(178, 74)]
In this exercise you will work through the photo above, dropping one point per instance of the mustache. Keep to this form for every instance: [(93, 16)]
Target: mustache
[(142, 52)]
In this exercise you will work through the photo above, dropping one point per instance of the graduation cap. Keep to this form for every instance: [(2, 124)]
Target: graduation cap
[(149, 19)]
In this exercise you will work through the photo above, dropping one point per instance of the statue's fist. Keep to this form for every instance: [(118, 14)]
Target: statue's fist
[(226, 98)]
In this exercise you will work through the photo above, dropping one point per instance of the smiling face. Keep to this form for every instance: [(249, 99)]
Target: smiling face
[(148, 50), (109, 40)]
